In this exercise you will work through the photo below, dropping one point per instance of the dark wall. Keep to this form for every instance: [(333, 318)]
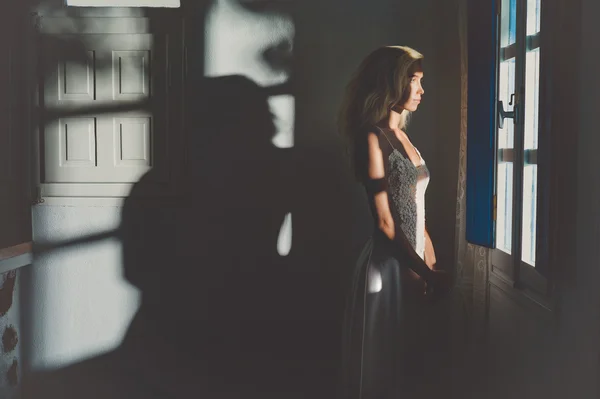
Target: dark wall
[(333, 38), (329, 211), (190, 256)]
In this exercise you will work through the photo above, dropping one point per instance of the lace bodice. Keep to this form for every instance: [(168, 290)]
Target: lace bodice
[(406, 187)]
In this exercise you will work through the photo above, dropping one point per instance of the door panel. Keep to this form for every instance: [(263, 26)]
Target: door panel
[(110, 94), (112, 89)]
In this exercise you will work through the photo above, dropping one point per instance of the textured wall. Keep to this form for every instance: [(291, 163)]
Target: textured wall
[(81, 305)]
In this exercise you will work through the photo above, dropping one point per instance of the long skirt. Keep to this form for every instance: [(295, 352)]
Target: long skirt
[(384, 327)]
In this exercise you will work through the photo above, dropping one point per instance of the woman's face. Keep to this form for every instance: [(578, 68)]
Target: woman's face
[(416, 92)]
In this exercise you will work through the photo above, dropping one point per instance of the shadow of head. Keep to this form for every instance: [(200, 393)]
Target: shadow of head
[(230, 113), (207, 259)]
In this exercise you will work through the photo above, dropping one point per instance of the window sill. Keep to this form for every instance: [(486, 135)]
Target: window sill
[(526, 296)]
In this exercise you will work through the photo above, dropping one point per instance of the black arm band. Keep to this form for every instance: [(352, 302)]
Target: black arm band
[(375, 186)]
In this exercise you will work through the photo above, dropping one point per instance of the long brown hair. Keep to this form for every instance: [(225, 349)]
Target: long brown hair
[(381, 82)]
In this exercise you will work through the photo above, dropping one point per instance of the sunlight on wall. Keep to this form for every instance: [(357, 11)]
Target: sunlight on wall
[(83, 304), (283, 109), (284, 241), (257, 45)]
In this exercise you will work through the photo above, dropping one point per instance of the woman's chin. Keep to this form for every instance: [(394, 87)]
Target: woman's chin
[(411, 107)]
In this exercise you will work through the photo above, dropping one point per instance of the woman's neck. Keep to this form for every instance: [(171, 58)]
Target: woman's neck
[(394, 119)]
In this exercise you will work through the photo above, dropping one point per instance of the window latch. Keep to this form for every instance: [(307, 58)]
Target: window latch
[(502, 114)]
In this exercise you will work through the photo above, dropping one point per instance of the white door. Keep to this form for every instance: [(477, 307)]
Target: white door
[(109, 110)]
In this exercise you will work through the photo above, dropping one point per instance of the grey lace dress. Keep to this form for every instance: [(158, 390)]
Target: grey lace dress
[(379, 339)]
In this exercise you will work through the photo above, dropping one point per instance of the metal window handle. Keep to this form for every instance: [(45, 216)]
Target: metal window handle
[(502, 114)]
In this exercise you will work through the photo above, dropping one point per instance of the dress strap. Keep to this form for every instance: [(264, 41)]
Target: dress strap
[(386, 137)]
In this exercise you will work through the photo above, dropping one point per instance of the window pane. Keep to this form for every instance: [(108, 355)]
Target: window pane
[(532, 92), (506, 88), (532, 89), (529, 213), (533, 17), (504, 188), (504, 207), (508, 23)]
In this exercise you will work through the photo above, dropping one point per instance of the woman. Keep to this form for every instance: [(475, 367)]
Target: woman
[(397, 268)]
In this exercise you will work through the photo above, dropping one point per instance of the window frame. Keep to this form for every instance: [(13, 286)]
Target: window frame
[(481, 187), (520, 273)]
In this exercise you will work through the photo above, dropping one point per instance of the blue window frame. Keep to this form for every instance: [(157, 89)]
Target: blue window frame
[(481, 134), (504, 47)]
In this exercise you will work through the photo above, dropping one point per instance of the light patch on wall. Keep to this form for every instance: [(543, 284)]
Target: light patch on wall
[(82, 306), (283, 109), (257, 44), (124, 3), (284, 240), (238, 41)]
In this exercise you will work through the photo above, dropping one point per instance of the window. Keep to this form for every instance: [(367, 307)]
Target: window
[(502, 180), (518, 77), (124, 3)]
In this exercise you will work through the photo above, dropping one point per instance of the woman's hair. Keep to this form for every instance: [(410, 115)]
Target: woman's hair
[(381, 82)]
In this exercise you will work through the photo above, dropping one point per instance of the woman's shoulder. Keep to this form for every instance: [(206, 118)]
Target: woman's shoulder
[(375, 130), (374, 134), (378, 138)]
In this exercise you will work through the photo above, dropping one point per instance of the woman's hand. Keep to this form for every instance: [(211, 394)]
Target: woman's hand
[(429, 257)]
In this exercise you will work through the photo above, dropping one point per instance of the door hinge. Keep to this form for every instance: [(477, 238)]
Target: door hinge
[(495, 209)]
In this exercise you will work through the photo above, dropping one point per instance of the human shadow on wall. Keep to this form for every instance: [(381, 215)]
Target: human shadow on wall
[(222, 311), (220, 241)]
